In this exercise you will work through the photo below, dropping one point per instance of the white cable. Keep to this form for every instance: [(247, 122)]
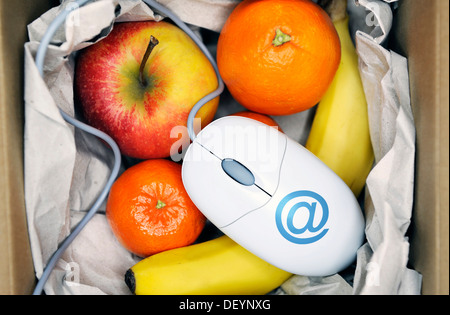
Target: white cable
[(190, 122), (40, 59)]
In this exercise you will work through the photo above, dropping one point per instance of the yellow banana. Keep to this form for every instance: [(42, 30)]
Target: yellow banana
[(340, 131), (215, 267)]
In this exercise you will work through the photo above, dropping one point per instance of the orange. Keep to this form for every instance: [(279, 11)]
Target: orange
[(278, 57), (259, 117), (149, 210)]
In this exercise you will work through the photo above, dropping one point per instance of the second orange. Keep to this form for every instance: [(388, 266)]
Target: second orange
[(278, 57)]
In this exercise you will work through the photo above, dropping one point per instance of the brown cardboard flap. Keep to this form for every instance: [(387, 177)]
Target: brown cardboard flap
[(16, 267), (421, 33)]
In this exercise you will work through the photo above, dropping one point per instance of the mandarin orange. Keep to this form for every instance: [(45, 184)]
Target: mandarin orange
[(149, 210), (278, 57), (259, 117)]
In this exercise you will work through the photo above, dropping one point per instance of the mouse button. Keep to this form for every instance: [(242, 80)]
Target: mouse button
[(238, 172), (265, 158), (228, 136), (257, 146), (197, 154), (302, 171), (212, 136), (219, 197)]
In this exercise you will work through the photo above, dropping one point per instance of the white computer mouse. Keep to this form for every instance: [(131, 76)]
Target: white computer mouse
[(273, 197)]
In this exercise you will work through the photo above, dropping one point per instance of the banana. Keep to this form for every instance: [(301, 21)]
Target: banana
[(340, 134), (216, 267)]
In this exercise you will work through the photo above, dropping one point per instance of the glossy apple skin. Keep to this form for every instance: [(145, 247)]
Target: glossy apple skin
[(140, 118)]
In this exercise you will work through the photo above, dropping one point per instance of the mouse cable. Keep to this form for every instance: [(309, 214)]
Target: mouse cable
[(166, 12), (40, 59)]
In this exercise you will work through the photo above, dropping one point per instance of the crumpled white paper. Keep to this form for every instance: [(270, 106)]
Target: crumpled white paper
[(65, 169), (390, 185)]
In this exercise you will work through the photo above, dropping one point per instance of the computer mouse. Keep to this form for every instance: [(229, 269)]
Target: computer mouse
[(273, 197)]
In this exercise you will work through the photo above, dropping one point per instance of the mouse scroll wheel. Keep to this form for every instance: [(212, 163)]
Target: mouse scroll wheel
[(238, 172)]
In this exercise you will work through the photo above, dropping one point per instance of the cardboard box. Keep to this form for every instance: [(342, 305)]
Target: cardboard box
[(16, 266), (420, 33)]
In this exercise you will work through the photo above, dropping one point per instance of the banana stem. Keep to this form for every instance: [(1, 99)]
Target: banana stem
[(130, 280), (336, 9)]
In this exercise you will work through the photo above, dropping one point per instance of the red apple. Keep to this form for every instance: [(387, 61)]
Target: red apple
[(138, 101)]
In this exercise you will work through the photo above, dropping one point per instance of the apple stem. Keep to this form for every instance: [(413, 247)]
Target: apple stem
[(153, 42)]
